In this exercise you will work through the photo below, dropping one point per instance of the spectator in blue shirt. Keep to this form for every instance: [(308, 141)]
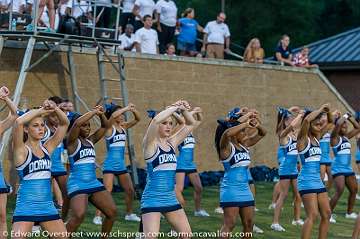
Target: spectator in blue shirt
[(283, 52), (188, 27)]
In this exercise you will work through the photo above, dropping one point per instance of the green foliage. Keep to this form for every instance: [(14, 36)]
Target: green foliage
[(305, 21)]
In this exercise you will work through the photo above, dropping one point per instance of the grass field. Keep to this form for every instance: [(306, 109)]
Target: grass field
[(343, 229)]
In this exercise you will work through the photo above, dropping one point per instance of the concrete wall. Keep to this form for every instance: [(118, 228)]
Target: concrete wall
[(157, 81)]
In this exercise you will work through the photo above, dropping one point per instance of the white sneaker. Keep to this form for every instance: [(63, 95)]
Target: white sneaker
[(299, 222), (97, 220), (272, 206), (357, 197), (332, 219), (132, 217), (277, 227), (219, 210), (36, 229), (256, 210), (352, 215), (257, 229), (302, 205), (201, 213)]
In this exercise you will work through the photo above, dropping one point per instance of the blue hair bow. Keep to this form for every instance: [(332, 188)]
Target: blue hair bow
[(284, 112), (151, 113), (234, 113)]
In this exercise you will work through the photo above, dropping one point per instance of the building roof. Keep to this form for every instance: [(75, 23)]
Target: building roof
[(338, 51)]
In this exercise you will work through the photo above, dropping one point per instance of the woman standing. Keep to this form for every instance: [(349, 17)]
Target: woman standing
[(5, 125), (186, 166), (188, 28), (159, 196), (311, 188), (83, 185), (32, 160), (341, 169), (114, 164), (235, 194), (288, 169)]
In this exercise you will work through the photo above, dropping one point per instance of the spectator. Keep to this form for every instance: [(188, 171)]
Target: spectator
[(166, 17), (82, 11), (216, 35), (170, 50), (127, 16), (18, 6), (301, 59), (127, 39), (65, 7), (141, 9), (50, 6), (253, 52), (186, 41), (146, 39), (102, 13), (4, 6), (283, 52)]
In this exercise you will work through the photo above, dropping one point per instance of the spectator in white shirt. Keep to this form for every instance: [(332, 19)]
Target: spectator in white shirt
[(216, 37), (127, 16), (127, 39), (18, 6), (4, 5), (65, 7), (141, 9), (146, 39), (166, 17), (82, 11)]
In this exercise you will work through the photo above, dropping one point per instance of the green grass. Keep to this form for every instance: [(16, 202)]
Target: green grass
[(343, 229)]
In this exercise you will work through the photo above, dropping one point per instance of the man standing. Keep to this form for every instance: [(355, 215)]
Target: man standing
[(216, 37), (146, 39)]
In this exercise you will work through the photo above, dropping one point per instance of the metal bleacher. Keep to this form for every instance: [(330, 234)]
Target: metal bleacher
[(52, 42)]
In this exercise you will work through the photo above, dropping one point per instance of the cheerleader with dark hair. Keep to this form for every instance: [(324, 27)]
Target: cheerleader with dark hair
[(114, 164), (232, 146)]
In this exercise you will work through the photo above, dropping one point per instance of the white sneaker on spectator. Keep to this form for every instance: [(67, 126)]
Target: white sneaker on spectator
[(201, 213), (219, 210), (272, 206), (257, 229), (132, 217), (299, 222), (352, 215), (97, 220), (357, 197), (277, 227), (332, 218), (36, 229)]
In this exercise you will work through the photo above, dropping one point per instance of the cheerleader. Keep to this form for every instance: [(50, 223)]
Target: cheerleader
[(159, 195), (311, 188), (341, 168), (288, 167), (236, 197), (5, 125), (82, 185), (186, 166), (114, 164), (32, 160)]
